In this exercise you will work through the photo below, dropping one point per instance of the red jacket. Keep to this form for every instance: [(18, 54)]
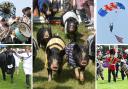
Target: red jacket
[(112, 63), (125, 56)]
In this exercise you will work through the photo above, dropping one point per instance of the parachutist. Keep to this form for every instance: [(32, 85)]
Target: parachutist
[(111, 27)]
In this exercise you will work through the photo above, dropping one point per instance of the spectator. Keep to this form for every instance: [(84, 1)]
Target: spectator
[(89, 7), (4, 28), (27, 15), (27, 64), (100, 68), (79, 5)]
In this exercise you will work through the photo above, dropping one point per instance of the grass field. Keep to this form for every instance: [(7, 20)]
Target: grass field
[(19, 80), (67, 79), (120, 84)]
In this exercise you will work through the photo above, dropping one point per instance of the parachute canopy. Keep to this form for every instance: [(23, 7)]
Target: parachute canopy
[(110, 7)]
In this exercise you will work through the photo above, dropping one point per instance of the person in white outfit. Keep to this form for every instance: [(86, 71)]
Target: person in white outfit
[(17, 61), (27, 63)]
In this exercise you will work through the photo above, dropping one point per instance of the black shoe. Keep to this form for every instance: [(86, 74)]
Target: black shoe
[(102, 78)]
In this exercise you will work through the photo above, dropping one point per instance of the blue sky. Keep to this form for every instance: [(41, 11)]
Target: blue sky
[(20, 4), (119, 20)]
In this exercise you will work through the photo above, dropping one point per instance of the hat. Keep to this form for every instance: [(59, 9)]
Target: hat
[(112, 51), (25, 9)]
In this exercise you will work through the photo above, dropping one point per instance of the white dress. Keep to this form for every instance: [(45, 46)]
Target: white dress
[(27, 62)]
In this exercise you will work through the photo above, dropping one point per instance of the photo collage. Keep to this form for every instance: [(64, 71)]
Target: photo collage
[(63, 44)]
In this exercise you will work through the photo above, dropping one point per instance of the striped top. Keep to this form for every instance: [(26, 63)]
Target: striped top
[(69, 54)]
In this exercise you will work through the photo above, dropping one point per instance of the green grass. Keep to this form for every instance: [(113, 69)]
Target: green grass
[(67, 79), (19, 80), (120, 84)]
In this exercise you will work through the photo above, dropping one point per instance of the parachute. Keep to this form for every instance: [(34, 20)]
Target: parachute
[(110, 7)]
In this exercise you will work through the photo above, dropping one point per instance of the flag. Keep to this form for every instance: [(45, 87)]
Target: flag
[(119, 39)]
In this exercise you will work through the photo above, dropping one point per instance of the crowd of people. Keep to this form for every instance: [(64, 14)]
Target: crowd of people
[(48, 8), (115, 60)]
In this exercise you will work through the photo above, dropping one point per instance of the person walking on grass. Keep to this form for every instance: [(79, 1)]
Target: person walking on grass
[(100, 68), (17, 60), (27, 63), (112, 60)]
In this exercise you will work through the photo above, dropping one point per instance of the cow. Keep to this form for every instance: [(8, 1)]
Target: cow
[(7, 64), (54, 56), (43, 36), (77, 58)]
